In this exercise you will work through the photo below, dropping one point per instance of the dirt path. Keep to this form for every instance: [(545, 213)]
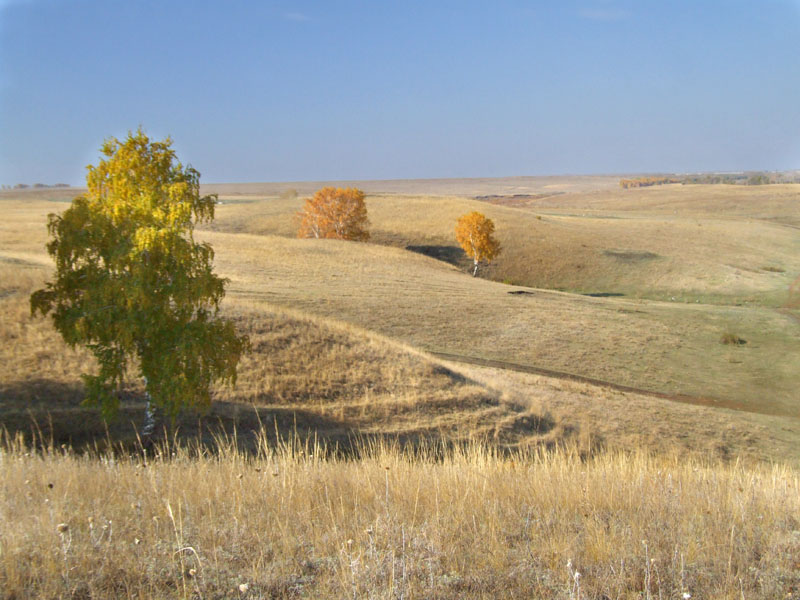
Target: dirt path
[(449, 290), (684, 398)]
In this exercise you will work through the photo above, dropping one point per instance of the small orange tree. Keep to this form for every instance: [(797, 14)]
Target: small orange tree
[(474, 233), (338, 213)]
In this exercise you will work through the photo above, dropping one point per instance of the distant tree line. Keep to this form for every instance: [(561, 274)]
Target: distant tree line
[(747, 178), (25, 186), (646, 182)]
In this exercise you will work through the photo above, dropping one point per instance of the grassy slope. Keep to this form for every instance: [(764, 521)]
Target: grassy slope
[(659, 346), (305, 373), (312, 374), (688, 243), (375, 387), (472, 524)]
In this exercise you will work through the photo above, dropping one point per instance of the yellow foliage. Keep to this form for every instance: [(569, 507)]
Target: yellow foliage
[(335, 213), (474, 233), (132, 284)]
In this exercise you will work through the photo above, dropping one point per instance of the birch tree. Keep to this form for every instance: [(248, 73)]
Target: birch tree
[(337, 213), (474, 232), (133, 285)]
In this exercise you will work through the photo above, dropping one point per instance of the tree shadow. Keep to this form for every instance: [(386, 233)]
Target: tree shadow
[(27, 394), (48, 414), (604, 294), (453, 255)]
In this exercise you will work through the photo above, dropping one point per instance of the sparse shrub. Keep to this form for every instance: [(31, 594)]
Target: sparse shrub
[(289, 194), (731, 339)]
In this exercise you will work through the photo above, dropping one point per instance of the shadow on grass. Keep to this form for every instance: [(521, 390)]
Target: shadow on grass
[(604, 294), (453, 255), (31, 393), (49, 415)]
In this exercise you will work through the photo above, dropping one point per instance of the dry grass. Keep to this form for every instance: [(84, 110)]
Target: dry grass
[(601, 419), (470, 524), (305, 374), (734, 245), (666, 347), (314, 376), (436, 187), (458, 481), (772, 203), (661, 346)]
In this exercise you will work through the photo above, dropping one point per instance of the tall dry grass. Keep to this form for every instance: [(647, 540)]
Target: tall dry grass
[(466, 523)]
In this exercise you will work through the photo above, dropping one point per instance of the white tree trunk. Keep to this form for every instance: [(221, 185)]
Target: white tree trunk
[(149, 425)]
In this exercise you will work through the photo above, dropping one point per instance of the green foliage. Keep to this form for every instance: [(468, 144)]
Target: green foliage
[(759, 179), (646, 182), (132, 284)]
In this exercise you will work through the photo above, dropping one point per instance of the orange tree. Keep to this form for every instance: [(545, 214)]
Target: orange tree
[(132, 284), (474, 233), (338, 213)]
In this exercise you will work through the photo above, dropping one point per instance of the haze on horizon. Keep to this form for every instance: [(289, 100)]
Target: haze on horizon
[(313, 90)]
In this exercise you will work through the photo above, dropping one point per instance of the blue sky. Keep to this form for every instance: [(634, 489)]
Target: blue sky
[(281, 91)]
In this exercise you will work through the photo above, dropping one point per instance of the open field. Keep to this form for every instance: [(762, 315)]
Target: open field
[(307, 375), (668, 347), (434, 478), (720, 244), (435, 187), (735, 245)]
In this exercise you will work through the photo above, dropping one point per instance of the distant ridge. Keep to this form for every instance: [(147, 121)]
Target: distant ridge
[(438, 187)]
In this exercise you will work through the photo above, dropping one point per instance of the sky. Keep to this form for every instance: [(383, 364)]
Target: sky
[(267, 90)]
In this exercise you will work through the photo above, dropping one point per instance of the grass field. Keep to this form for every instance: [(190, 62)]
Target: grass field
[(670, 347), (662, 433), (471, 524), (735, 245)]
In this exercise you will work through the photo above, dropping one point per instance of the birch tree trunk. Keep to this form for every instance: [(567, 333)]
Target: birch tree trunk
[(149, 424)]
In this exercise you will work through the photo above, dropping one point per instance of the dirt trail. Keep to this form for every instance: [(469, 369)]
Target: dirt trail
[(525, 368), (685, 398)]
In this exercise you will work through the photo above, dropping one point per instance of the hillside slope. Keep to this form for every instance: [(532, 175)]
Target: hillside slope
[(321, 373), (661, 346), (687, 243)]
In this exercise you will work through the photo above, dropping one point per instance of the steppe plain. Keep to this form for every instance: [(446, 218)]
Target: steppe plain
[(598, 333), (630, 288)]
